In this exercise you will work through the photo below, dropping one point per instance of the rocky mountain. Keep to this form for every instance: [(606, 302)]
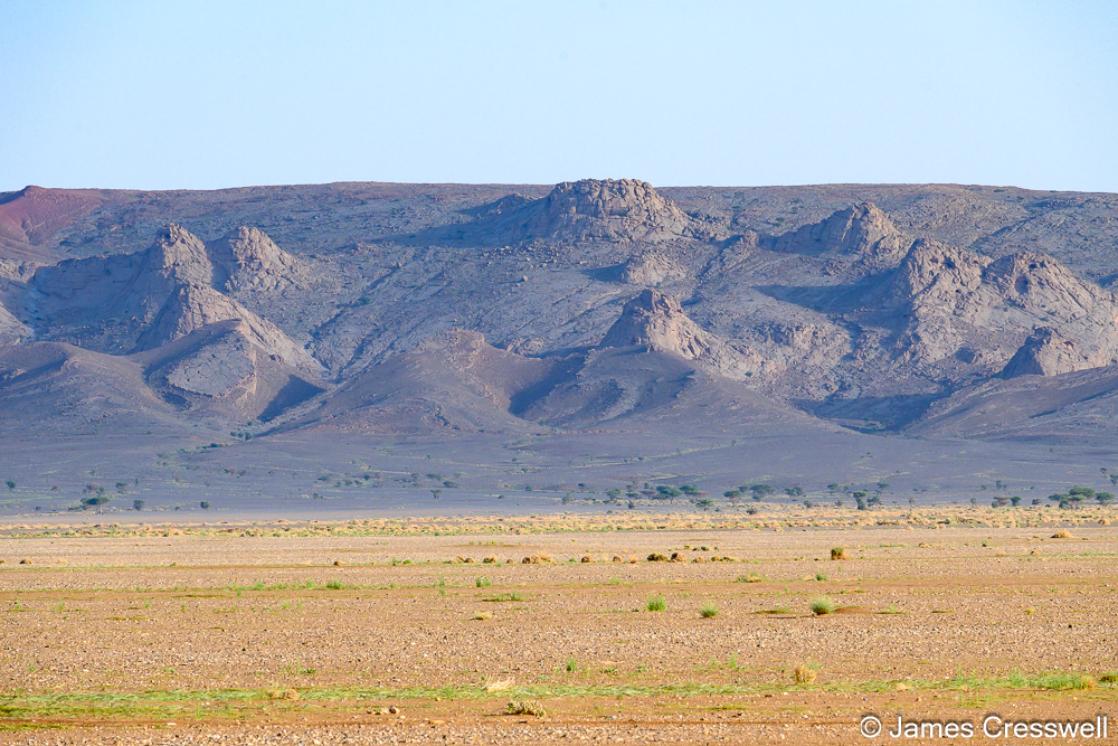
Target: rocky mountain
[(121, 304), (656, 322), (248, 261), (623, 210), (957, 306), (862, 232), (378, 309)]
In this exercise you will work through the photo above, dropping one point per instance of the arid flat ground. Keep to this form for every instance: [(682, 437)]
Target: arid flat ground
[(425, 631)]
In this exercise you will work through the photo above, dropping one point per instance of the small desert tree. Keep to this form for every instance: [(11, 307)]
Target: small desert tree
[(94, 501), (667, 492)]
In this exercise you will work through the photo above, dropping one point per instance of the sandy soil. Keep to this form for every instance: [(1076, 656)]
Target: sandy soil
[(300, 633)]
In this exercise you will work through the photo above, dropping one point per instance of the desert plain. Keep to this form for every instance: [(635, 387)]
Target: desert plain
[(575, 463), (575, 628)]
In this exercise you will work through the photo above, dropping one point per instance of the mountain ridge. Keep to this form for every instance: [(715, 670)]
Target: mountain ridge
[(735, 297)]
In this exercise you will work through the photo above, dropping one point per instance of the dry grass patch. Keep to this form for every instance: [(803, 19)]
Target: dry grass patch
[(804, 674), (525, 707), (288, 694)]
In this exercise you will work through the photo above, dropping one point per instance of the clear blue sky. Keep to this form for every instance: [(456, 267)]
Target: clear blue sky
[(164, 94)]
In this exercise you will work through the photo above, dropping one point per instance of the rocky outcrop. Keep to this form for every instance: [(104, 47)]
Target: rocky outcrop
[(953, 304), (129, 303), (248, 260), (178, 257), (1042, 285), (651, 269), (862, 231), (1046, 353), (934, 276), (593, 210), (657, 322)]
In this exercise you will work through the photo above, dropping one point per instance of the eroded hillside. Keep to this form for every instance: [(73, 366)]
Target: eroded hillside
[(773, 322)]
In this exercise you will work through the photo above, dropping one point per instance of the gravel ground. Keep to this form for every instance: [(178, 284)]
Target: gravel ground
[(323, 633)]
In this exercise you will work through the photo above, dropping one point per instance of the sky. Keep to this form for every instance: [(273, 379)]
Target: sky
[(158, 95)]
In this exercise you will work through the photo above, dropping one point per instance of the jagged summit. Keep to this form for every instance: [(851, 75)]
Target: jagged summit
[(862, 230), (179, 255), (127, 303), (657, 322), (933, 273), (953, 304), (903, 295), (248, 259), (595, 210), (245, 259)]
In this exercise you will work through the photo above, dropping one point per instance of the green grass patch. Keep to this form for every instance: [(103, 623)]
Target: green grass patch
[(822, 605), (19, 709), (501, 598)]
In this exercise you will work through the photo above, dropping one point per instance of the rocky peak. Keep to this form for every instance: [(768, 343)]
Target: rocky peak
[(657, 322), (952, 303), (862, 230), (934, 272), (601, 210), (1039, 282), (248, 258), (179, 255), (1046, 353)]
